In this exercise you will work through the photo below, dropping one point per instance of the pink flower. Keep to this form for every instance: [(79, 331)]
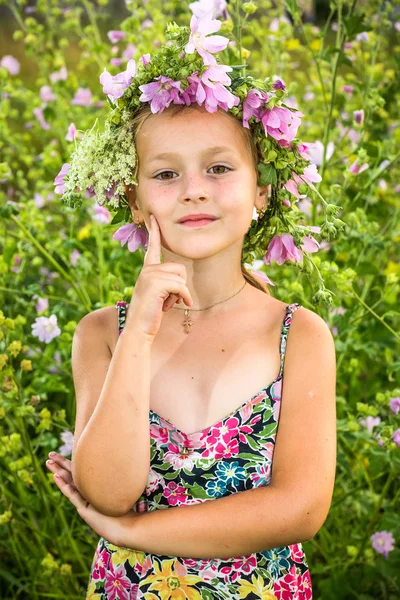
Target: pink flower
[(46, 94), (117, 584), (217, 8), (395, 404), (115, 86), (129, 52), (396, 437), (358, 116), (115, 36), (116, 62), (281, 249), (60, 75), (101, 214), (71, 133), (370, 422), (46, 328), (316, 152), (310, 244), (206, 47), (133, 235), (278, 85), (145, 58), (281, 123), (83, 97), (254, 100), (73, 257), (382, 541), (11, 64), (38, 112), (160, 93), (212, 84), (59, 180), (355, 168), (309, 175), (42, 304), (348, 89)]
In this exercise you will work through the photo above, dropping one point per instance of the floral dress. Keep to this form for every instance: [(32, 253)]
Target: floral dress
[(231, 456)]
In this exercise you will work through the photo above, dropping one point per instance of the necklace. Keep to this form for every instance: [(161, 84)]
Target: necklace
[(187, 322)]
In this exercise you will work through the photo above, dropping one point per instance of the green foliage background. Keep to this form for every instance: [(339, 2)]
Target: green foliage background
[(45, 548)]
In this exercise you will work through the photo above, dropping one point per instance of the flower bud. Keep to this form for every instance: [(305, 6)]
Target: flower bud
[(249, 8)]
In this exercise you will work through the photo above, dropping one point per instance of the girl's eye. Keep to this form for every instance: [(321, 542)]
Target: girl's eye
[(215, 167)]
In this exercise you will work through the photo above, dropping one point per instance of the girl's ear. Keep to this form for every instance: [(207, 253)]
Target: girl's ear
[(130, 193), (262, 198)]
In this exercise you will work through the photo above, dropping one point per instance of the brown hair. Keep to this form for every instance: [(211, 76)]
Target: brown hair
[(144, 113)]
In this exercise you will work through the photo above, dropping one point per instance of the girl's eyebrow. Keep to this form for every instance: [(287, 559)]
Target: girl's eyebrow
[(213, 150)]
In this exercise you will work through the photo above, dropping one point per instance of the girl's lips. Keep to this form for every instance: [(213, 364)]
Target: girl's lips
[(198, 223)]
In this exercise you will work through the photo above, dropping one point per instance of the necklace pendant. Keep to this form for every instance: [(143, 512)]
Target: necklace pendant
[(187, 323)]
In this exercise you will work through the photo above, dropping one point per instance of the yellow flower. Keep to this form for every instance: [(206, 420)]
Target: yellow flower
[(84, 232), (15, 347), (171, 585), (293, 44), (26, 365), (316, 45), (3, 360), (125, 554), (257, 587)]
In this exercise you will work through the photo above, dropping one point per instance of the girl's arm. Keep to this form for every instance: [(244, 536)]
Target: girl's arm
[(111, 453)]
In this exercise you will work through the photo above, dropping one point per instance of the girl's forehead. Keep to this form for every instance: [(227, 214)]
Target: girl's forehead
[(162, 133)]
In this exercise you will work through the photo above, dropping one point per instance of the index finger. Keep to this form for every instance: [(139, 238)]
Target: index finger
[(152, 256)]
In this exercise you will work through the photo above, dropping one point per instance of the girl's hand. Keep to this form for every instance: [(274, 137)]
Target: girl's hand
[(158, 286), (116, 530)]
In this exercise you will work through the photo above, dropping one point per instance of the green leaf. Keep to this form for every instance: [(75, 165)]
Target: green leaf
[(354, 25), (268, 431), (268, 174), (198, 492)]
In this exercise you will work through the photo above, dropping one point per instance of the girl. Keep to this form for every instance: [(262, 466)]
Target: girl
[(200, 471)]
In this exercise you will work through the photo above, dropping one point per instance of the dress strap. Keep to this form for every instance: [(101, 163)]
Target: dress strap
[(121, 307), (285, 331)]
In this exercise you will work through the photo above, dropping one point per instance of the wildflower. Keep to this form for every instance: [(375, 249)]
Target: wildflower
[(160, 93), (14, 348), (115, 36), (46, 328), (59, 180), (60, 75), (129, 52), (11, 64), (355, 168), (46, 94), (199, 29), (281, 123), (42, 303), (395, 404), (396, 437), (358, 116), (316, 152), (83, 97), (382, 541), (38, 112), (281, 249), (132, 235), (73, 257), (370, 422), (68, 439), (101, 214), (251, 105), (115, 86), (71, 133), (217, 8)]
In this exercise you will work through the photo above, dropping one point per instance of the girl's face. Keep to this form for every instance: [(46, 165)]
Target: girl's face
[(205, 167)]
